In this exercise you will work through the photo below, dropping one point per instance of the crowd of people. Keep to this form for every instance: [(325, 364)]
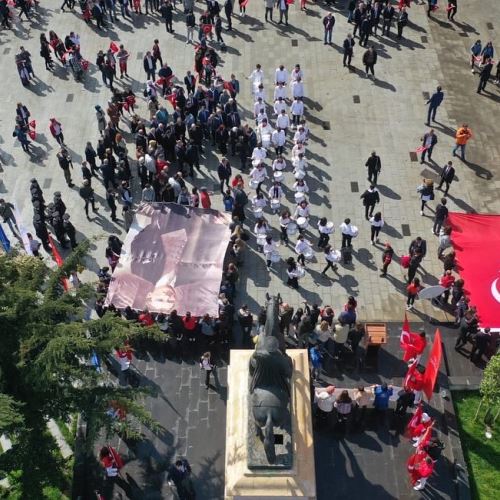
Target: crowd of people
[(258, 158)]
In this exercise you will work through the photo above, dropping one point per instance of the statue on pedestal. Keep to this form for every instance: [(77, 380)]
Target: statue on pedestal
[(270, 373)]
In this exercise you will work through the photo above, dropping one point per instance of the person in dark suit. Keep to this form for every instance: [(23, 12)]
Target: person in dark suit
[(484, 76), (348, 49), (434, 102), (447, 176), (418, 244), (429, 140), (374, 166), (149, 64), (370, 198), (190, 82)]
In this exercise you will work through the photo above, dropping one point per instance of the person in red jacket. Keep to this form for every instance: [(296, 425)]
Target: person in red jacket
[(55, 128), (412, 291), (190, 325), (414, 380), (420, 467), (447, 281), (205, 198), (111, 461), (146, 319)]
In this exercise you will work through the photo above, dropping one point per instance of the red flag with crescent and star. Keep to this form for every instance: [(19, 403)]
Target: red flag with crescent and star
[(432, 368)]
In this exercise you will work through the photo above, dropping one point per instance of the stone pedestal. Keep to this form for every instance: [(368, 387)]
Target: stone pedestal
[(241, 483)]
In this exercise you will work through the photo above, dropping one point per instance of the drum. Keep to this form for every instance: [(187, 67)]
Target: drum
[(275, 204), (275, 257), (355, 231), (335, 255), (261, 239), (254, 184), (300, 174), (258, 213), (308, 253), (266, 140), (301, 272), (302, 222), (299, 197), (256, 162), (291, 229), (329, 229), (278, 176)]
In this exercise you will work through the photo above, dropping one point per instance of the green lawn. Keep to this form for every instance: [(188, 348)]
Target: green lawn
[(481, 454)]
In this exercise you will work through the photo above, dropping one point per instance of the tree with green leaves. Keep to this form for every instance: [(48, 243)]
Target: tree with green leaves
[(45, 371), (490, 388)]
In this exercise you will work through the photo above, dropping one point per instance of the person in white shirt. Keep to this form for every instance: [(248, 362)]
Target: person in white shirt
[(258, 106), (258, 201), (275, 191), (261, 229), (332, 256), (279, 139), (301, 247), (283, 121), (299, 164), (348, 232), (377, 223), (296, 73), (298, 149), (297, 88), (297, 109), (279, 164), (264, 132), (324, 398), (285, 219), (302, 210), (279, 91), (261, 116), (300, 135), (281, 75), (323, 332), (260, 92), (259, 154), (259, 175), (279, 106), (256, 77), (301, 186), (325, 228), (270, 247)]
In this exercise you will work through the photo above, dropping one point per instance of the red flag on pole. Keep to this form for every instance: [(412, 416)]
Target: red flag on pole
[(114, 47), (425, 437), (412, 343), (432, 368), (58, 259), (32, 124), (118, 460), (414, 421)]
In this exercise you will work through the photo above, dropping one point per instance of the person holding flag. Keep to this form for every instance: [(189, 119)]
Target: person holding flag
[(414, 380), (419, 428), (420, 467), (413, 344), (111, 461)]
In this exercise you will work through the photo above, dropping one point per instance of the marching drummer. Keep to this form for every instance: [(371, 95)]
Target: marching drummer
[(298, 149), (278, 138), (302, 248), (325, 228), (302, 210), (293, 271), (285, 220), (259, 154), (299, 164), (259, 202), (300, 135), (261, 229), (332, 256), (275, 193), (301, 186), (279, 164), (270, 250), (258, 175)]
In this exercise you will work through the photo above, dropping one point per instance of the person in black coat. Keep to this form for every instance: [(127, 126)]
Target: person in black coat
[(387, 15), (110, 199), (440, 216), (348, 50), (429, 140), (167, 12), (484, 75), (374, 166), (370, 198), (228, 9), (447, 176), (149, 63)]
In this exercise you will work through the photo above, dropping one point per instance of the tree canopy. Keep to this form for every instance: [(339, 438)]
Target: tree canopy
[(45, 370)]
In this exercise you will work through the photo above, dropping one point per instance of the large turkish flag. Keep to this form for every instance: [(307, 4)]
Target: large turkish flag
[(476, 240)]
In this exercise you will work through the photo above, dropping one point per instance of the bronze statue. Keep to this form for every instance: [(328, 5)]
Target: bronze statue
[(270, 372)]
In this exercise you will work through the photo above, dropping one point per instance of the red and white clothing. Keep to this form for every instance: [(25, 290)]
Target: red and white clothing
[(124, 357), (420, 469)]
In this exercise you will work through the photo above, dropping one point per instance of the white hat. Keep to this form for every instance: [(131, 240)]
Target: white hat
[(425, 417), (323, 395)]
